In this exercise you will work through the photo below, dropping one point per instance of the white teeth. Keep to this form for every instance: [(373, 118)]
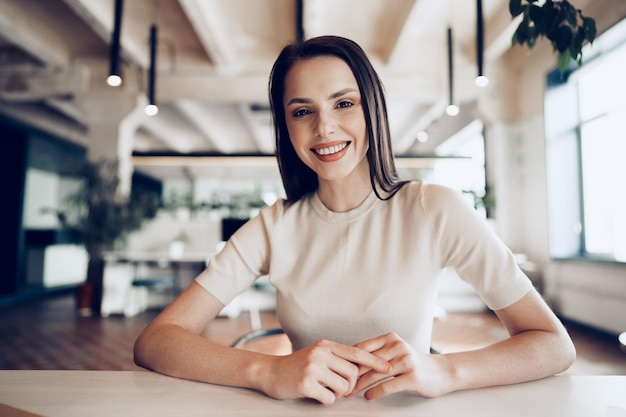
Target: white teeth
[(331, 149)]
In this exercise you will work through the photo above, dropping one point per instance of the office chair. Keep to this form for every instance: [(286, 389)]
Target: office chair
[(255, 335)]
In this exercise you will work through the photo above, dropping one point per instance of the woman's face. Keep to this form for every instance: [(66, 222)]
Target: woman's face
[(325, 118)]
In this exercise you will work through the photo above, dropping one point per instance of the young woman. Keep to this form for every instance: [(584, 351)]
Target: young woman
[(356, 257)]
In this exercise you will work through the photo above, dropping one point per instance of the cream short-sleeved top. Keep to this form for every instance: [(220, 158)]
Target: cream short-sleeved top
[(375, 269)]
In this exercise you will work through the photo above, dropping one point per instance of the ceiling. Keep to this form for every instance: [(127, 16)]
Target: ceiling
[(213, 61)]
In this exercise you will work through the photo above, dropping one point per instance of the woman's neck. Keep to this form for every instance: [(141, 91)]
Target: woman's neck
[(342, 196)]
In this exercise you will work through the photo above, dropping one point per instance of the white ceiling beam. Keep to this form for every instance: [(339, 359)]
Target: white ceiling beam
[(260, 127), (144, 141), (180, 137), (221, 123), (252, 88), (499, 33), (408, 26), (30, 33), (209, 28), (39, 118), (499, 29), (92, 13), (98, 15), (193, 162), (68, 108), (417, 27), (38, 83), (198, 118), (432, 114), (207, 85), (440, 132)]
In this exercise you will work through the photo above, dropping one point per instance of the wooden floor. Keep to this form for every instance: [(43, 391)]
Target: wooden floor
[(48, 334)]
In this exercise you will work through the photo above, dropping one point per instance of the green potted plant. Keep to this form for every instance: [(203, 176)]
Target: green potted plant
[(485, 200), (103, 219), (565, 26)]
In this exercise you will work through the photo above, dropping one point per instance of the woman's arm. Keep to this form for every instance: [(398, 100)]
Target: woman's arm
[(172, 345), (539, 346)]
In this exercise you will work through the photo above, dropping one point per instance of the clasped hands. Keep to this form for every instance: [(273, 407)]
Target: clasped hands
[(327, 370)]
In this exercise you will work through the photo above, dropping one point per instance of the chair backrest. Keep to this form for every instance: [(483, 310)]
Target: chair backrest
[(281, 344), (255, 335), (271, 341)]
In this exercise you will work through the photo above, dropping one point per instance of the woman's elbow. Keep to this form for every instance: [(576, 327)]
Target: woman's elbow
[(565, 352), (140, 353), (569, 352)]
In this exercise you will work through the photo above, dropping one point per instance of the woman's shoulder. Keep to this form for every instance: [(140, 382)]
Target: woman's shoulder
[(428, 194), (424, 186), (441, 205), (436, 202), (274, 210), (282, 207)]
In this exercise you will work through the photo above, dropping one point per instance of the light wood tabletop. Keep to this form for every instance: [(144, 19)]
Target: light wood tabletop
[(142, 393)]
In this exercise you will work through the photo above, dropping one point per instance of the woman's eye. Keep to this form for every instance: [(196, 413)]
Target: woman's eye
[(301, 112), (343, 104)]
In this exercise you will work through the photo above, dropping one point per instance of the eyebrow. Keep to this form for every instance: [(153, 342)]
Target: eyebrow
[(331, 97)]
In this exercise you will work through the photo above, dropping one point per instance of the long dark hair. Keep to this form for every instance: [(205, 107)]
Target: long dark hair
[(299, 179)]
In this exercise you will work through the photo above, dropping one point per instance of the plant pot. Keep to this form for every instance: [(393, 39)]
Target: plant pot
[(95, 279), (84, 300)]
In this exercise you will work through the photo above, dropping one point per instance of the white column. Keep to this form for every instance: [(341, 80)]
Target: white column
[(113, 115)]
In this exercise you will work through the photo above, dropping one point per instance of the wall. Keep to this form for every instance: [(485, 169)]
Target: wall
[(592, 293)]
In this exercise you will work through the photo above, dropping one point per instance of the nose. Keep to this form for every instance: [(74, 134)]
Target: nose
[(324, 123)]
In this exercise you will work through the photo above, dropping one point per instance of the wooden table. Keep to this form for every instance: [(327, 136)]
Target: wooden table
[(142, 393)]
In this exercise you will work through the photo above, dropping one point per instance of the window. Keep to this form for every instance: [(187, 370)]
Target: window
[(465, 170), (586, 150)]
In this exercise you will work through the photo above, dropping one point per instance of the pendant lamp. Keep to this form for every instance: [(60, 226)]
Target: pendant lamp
[(452, 108), (299, 21), (481, 79), (152, 109), (115, 74)]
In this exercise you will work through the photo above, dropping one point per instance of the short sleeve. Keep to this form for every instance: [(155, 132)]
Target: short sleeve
[(242, 260), (479, 256)]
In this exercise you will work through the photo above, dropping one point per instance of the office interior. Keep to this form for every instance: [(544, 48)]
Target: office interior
[(536, 150)]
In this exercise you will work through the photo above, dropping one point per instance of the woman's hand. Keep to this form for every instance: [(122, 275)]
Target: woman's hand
[(323, 371), (421, 373)]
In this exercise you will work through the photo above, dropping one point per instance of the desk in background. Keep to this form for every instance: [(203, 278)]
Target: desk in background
[(136, 281), (142, 393)]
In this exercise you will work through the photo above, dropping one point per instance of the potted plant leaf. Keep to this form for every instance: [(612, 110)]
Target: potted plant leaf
[(565, 26), (104, 218)]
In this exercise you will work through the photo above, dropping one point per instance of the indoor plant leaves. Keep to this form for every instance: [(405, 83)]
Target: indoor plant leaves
[(557, 20)]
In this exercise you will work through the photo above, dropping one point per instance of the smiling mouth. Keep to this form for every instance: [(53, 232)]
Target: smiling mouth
[(330, 149)]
